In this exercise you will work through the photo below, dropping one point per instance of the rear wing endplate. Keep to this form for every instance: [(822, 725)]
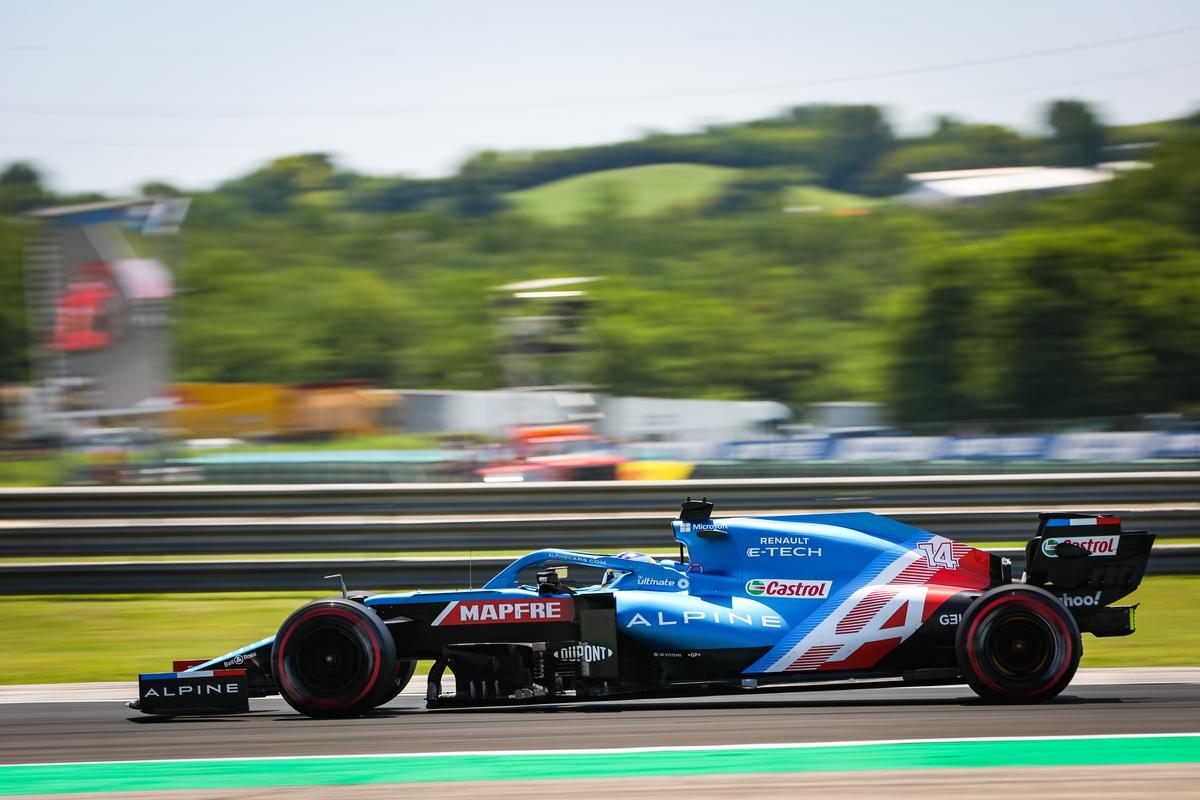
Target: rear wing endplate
[(1086, 559)]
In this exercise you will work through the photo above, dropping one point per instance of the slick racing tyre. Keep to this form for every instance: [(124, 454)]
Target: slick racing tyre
[(334, 658), (1018, 644)]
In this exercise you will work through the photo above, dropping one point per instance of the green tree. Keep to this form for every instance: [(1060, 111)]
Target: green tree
[(1168, 194), (1078, 135), (159, 189), (21, 189), (361, 325), (478, 188), (855, 138), (1050, 322), (932, 323), (13, 339), (272, 189)]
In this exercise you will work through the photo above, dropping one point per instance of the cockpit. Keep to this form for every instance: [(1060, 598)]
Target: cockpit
[(568, 572)]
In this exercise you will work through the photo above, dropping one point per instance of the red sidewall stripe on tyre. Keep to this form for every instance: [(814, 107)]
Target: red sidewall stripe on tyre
[(973, 654), (316, 701)]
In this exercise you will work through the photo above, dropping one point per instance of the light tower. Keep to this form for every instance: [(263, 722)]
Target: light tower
[(543, 324)]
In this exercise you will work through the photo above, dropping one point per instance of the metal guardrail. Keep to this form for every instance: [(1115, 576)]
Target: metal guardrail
[(606, 516), (1082, 490), (365, 535), (370, 573)]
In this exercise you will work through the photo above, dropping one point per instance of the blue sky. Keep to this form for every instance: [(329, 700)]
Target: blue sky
[(107, 95)]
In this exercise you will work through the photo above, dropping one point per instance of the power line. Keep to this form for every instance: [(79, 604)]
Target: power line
[(356, 50), (398, 142), (211, 145), (49, 109), (1056, 85)]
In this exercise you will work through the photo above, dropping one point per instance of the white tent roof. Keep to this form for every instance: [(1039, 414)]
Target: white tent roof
[(966, 184)]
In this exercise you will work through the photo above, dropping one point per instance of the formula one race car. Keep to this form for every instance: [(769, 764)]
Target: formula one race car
[(751, 602)]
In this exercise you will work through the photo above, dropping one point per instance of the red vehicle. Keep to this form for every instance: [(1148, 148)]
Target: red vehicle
[(554, 453)]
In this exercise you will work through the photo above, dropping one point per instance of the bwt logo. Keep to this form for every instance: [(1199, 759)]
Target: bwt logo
[(778, 587)]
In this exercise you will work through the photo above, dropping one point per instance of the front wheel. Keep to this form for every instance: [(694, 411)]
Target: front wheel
[(1018, 644), (334, 658)]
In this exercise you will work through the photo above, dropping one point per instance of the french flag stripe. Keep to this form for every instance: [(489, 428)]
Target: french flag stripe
[(168, 676), (1066, 523)]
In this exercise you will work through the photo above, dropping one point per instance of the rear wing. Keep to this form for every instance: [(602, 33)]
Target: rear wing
[(1089, 563)]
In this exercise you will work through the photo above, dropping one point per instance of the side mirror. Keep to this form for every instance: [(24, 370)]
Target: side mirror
[(550, 582)]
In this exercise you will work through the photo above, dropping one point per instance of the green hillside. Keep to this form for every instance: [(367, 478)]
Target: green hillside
[(642, 190), (817, 197)]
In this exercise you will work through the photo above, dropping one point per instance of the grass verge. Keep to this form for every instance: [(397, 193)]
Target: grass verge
[(66, 639), (388, 441), (19, 473)]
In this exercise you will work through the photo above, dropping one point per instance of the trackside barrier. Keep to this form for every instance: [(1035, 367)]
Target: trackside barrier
[(64, 539), (362, 573), (1081, 490)]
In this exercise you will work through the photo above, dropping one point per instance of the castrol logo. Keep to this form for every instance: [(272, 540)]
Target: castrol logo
[(783, 587), (1096, 545)]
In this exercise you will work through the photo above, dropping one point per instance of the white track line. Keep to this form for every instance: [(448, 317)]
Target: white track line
[(683, 748)]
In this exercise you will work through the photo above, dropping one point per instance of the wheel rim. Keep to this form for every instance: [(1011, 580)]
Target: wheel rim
[(1020, 646), (304, 666), (328, 659)]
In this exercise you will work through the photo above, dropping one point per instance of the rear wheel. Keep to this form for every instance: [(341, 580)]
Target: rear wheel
[(334, 658), (1018, 644), (404, 673)]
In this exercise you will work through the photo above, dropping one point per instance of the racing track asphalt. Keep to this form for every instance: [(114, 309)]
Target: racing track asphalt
[(94, 731)]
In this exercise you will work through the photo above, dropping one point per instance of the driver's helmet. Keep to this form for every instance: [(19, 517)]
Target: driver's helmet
[(611, 575)]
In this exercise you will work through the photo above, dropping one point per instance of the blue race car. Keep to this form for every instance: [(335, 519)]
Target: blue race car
[(751, 602)]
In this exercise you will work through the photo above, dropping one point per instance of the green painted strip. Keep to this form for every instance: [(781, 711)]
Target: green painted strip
[(349, 770)]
